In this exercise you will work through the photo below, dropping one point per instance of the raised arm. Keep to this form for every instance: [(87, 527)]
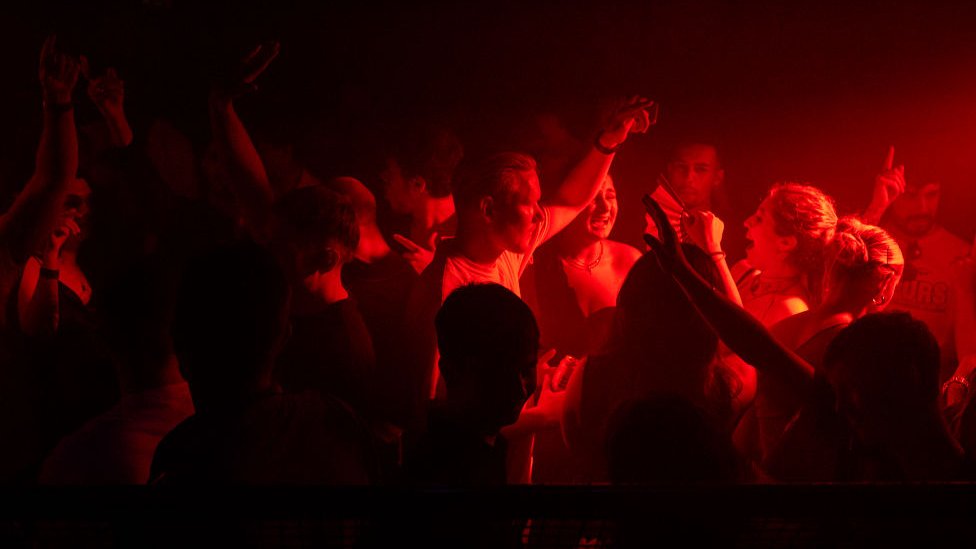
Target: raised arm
[(888, 185), (37, 297), (742, 333), (107, 92), (705, 230), (33, 214), (250, 181), (581, 185)]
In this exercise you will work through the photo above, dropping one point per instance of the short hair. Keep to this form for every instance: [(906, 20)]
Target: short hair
[(806, 213), (230, 313), (484, 321), (311, 219), (685, 143), (891, 359), (490, 176), (432, 152)]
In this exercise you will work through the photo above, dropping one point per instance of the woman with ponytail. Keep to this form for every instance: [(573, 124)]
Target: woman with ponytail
[(863, 265)]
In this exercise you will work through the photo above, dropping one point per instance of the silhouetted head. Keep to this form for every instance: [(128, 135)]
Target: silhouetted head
[(488, 341), (315, 230), (884, 369), (421, 164), (665, 439), (230, 321)]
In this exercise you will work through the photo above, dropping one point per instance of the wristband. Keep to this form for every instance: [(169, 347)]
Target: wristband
[(601, 147)]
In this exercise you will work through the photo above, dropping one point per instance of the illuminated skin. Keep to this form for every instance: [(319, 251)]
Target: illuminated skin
[(779, 293), (409, 196), (694, 173), (595, 266), (516, 217)]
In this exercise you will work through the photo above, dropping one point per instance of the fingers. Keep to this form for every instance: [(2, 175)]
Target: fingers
[(406, 243), (664, 228), (72, 226), (889, 158), (83, 64), (48, 49), (546, 356), (259, 59)]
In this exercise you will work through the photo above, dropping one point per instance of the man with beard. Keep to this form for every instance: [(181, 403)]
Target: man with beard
[(908, 212)]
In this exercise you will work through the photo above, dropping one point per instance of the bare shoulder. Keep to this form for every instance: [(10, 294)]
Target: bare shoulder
[(623, 254)]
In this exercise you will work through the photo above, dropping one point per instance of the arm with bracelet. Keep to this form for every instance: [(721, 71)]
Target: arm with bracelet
[(705, 230)]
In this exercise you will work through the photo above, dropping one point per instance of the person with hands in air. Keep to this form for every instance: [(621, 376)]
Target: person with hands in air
[(917, 449), (500, 224), (908, 209)]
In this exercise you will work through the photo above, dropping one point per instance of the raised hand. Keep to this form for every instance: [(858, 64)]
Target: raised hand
[(418, 256), (250, 68), (107, 91), (666, 246), (888, 185), (67, 228), (704, 229), (58, 73), (632, 117)]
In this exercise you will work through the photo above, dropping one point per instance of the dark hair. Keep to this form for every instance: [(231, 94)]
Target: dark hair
[(485, 321), (890, 359), (490, 176), (311, 220), (431, 152), (665, 439), (230, 314)]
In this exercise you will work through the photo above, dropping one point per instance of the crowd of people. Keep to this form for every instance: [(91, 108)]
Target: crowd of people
[(237, 317)]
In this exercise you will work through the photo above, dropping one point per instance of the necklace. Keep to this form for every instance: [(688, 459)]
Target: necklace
[(588, 267)]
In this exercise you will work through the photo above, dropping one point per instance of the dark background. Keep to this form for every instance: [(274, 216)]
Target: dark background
[(805, 91)]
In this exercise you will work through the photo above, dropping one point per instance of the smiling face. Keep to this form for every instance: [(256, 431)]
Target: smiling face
[(601, 213)]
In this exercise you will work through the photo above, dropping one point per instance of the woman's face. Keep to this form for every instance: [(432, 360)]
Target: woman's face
[(601, 213), (763, 245)]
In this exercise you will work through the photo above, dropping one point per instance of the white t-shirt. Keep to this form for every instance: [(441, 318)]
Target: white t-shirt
[(505, 271)]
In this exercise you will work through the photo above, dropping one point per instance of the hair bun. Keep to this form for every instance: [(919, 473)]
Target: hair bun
[(851, 249)]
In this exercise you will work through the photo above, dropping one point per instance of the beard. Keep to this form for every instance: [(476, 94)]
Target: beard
[(916, 225)]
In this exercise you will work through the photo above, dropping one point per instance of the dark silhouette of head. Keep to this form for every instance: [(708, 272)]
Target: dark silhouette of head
[(665, 439), (135, 308), (885, 372), (230, 322), (422, 161), (488, 341), (316, 230)]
